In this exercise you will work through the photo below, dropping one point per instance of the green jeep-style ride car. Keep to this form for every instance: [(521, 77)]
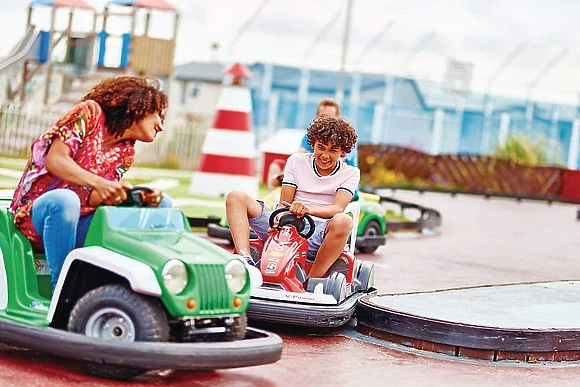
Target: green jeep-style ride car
[(145, 292)]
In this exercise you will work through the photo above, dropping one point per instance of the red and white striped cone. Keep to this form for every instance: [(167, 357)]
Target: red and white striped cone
[(228, 159)]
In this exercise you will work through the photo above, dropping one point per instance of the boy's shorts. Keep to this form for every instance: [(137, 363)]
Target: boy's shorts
[(260, 224)]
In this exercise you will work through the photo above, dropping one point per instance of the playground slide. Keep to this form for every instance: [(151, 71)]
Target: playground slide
[(27, 48)]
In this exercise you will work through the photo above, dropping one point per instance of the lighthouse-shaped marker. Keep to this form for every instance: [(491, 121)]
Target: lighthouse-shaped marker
[(229, 150)]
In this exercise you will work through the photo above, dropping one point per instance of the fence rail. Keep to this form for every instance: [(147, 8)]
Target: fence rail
[(467, 174)]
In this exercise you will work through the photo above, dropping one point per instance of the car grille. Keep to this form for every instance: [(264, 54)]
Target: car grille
[(214, 292)]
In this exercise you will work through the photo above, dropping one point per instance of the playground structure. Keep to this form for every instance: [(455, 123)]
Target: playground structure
[(77, 55)]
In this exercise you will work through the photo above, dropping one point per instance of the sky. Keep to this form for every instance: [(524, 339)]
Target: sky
[(513, 47)]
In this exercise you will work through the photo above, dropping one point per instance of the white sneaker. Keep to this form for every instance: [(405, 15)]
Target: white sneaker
[(248, 260)]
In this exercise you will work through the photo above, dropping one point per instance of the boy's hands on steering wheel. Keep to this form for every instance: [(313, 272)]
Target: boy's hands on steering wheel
[(297, 208)]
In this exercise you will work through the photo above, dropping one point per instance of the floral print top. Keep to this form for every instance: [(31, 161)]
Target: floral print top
[(82, 129)]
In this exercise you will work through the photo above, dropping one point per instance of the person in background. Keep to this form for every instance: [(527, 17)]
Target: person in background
[(319, 184), (276, 173), (329, 107), (78, 163)]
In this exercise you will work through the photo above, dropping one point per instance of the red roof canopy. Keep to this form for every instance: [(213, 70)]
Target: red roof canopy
[(162, 5), (82, 4), (239, 70), (156, 4)]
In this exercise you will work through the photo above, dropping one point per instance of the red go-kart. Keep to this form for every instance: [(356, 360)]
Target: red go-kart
[(285, 296)]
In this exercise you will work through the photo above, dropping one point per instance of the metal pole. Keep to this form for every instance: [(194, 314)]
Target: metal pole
[(49, 59), (345, 39), (304, 84)]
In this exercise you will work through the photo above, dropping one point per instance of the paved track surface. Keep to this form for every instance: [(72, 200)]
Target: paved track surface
[(483, 242)]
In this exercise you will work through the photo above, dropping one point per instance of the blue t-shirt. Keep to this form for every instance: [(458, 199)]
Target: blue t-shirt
[(351, 158)]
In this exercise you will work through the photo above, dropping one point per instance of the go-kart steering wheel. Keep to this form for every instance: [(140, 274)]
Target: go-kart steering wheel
[(291, 219), (134, 198)]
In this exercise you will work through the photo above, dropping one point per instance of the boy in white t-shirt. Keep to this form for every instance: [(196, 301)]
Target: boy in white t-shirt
[(318, 184)]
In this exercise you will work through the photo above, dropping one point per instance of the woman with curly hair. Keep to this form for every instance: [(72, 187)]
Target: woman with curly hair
[(319, 184), (78, 163)]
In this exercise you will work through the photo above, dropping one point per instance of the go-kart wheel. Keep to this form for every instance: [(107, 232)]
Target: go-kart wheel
[(291, 219), (335, 285), (238, 331), (115, 313), (364, 275), (134, 198), (372, 229)]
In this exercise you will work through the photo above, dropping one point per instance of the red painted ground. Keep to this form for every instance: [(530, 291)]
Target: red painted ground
[(483, 242)]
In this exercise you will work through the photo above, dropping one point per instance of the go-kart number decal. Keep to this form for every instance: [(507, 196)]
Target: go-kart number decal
[(271, 268), (41, 266)]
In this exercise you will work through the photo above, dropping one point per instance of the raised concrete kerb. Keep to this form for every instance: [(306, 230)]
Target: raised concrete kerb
[(526, 322)]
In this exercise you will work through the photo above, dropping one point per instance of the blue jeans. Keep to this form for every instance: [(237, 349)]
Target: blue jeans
[(56, 218)]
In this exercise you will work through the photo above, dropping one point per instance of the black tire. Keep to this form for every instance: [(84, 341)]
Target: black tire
[(114, 312), (238, 331), (373, 228), (364, 275), (335, 285)]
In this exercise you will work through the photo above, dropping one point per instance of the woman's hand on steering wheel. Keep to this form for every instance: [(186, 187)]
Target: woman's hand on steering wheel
[(151, 198), (142, 196), (109, 193)]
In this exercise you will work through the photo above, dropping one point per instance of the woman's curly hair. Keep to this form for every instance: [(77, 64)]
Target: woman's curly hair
[(126, 100), (336, 130)]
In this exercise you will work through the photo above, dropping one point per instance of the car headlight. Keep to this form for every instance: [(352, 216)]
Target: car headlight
[(236, 275), (175, 276)]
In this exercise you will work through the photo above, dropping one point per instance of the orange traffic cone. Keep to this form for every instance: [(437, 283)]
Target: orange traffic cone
[(228, 159)]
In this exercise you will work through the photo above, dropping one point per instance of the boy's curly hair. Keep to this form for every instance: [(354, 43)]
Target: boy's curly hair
[(336, 130), (126, 100)]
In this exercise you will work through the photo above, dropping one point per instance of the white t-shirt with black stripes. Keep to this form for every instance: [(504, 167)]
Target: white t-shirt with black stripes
[(313, 189)]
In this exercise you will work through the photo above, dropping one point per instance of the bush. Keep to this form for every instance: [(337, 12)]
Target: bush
[(521, 149)]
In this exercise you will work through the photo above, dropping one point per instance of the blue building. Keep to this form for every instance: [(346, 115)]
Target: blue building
[(398, 111)]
